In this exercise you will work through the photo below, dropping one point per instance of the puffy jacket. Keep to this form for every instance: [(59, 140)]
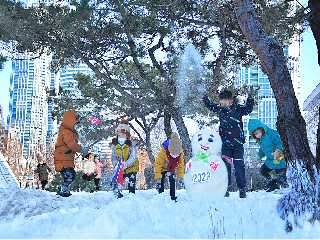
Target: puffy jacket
[(269, 142), (231, 125), (98, 168), (161, 162), (128, 154), (67, 142), (42, 170)]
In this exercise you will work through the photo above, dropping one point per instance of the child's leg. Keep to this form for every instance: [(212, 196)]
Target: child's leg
[(97, 183), (281, 177), (172, 182), (68, 175), (163, 179), (116, 190), (132, 182), (227, 154), (240, 171), (43, 184), (265, 171)]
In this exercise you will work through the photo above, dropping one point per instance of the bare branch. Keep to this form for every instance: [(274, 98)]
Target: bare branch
[(153, 58)]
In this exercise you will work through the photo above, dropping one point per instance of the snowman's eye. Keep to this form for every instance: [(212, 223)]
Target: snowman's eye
[(210, 140), (199, 139)]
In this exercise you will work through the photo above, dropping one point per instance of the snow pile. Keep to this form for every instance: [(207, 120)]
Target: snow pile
[(36, 214)]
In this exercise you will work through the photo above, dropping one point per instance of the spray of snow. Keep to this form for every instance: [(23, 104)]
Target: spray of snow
[(190, 84)]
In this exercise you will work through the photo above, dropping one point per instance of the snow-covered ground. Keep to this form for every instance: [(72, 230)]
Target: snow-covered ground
[(37, 214)]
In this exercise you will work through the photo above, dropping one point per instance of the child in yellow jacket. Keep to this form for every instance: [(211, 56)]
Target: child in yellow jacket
[(169, 162)]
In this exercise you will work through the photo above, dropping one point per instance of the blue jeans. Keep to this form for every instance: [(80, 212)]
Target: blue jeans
[(235, 153), (68, 175)]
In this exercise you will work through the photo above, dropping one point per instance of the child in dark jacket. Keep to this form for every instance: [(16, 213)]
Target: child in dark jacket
[(231, 131), (271, 148)]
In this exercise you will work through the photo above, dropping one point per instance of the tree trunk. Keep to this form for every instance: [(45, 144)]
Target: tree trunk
[(314, 20), (291, 125), (149, 171), (148, 146), (318, 144), (167, 123), (183, 132)]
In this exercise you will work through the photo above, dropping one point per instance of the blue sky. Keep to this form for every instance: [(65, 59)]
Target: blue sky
[(309, 69)]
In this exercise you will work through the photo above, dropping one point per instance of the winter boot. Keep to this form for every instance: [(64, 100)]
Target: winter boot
[(62, 194), (118, 194), (173, 198), (64, 191), (272, 185), (242, 193)]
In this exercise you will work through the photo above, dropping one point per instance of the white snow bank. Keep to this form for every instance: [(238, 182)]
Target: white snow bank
[(37, 214)]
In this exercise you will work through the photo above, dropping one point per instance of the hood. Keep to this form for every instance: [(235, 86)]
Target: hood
[(70, 118), (256, 123)]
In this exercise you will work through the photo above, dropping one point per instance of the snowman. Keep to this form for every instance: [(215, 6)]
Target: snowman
[(206, 176)]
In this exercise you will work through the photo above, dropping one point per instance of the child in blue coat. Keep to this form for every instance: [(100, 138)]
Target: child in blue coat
[(271, 148)]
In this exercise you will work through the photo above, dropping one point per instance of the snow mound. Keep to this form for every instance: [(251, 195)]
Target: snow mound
[(38, 214)]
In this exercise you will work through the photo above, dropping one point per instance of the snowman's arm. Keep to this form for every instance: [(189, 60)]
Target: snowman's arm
[(180, 171), (159, 164)]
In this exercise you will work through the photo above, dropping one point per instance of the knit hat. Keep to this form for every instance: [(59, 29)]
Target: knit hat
[(123, 126), (226, 94), (175, 145)]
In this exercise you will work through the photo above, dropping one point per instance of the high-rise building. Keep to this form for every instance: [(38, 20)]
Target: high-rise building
[(266, 108), (28, 107), (67, 80)]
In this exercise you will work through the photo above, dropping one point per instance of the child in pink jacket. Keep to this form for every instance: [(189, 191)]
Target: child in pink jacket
[(98, 171)]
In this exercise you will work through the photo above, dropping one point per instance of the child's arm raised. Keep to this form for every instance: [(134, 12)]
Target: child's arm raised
[(247, 109), (210, 105)]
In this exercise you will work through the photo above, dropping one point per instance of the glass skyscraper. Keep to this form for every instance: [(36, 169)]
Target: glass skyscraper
[(67, 81), (28, 106)]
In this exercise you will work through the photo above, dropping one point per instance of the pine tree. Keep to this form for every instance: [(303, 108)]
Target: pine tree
[(121, 44)]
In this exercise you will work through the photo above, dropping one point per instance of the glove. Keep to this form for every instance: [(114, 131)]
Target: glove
[(84, 151), (278, 155), (253, 90)]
